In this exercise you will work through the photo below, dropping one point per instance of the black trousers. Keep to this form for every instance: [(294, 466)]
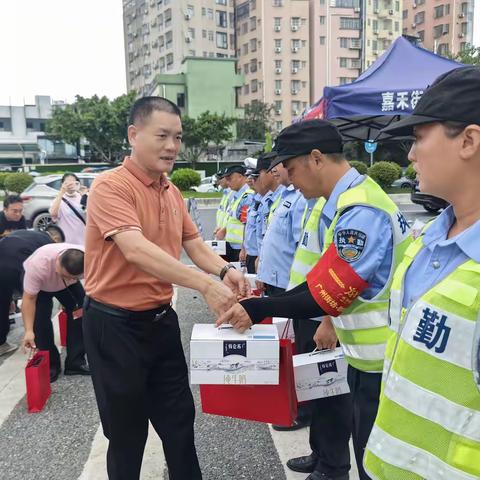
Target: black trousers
[(139, 374), (231, 255), (10, 281), (331, 417), (71, 298), (250, 262), (365, 389)]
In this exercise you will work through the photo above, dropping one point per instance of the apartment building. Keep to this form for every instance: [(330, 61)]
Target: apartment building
[(160, 34), (273, 54), (443, 26)]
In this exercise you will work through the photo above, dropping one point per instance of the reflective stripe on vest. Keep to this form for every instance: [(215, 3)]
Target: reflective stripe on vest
[(235, 228), (363, 327), (428, 422), (308, 251), (222, 209)]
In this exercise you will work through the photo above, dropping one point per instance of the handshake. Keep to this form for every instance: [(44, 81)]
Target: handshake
[(223, 297)]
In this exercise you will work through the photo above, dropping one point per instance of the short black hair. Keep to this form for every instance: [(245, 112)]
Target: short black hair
[(55, 229), (69, 174), (12, 199), (72, 261), (145, 106)]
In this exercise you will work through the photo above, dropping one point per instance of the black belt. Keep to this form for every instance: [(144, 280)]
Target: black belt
[(153, 315)]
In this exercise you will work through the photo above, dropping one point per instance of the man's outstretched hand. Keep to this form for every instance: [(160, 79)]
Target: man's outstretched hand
[(237, 283), (237, 317)]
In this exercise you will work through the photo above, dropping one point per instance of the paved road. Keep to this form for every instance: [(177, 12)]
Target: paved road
[(65, 440)]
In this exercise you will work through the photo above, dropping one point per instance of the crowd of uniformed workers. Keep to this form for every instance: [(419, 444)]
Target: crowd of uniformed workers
[(332, 251)]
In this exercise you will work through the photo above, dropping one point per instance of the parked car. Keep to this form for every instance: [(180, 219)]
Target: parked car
[(403, 182), (38, 197), (207, 185), (428, 202)]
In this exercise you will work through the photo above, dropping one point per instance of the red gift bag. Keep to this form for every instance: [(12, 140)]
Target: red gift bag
[(37, 376), (62, 326), (275, 404)]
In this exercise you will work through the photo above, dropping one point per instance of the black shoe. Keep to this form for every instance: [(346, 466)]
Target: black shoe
[(297, 425), (323, 476), (304, 464), (80, 370), (54, 373)]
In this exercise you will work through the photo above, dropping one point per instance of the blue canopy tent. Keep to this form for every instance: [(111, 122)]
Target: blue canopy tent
[(389, 88)]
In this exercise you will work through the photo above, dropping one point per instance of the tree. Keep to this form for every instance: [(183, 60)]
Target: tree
[(256, 122), (199, 133), (101, 122), (470, 55)]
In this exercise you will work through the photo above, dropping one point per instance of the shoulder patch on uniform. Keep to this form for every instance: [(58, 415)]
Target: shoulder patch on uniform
[(350, 244)]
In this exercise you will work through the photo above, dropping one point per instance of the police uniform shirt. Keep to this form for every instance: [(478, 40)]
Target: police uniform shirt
[(262, 218), (281, 239), (244, 203), (440, 257), (250, 241), (367, 228)]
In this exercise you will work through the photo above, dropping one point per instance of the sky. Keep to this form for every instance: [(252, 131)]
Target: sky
[(60, 48)]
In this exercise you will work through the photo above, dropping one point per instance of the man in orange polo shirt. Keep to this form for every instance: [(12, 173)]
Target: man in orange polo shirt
[(137, 225)]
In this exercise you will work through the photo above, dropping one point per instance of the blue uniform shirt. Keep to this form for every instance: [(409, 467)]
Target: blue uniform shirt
[(264, 212), (244, 202), (281, 239), (250, 240), (440, 257), (366, 224)]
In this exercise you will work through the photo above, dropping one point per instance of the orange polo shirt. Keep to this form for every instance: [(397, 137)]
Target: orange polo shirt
[(125, 198)]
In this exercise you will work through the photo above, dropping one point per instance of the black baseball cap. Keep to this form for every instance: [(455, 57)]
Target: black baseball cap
[(453, 97), (263, 162), (303, 137), (235, 169)]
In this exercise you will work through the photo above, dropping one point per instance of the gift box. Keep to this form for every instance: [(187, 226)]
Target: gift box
[(37, 377), (321, 373), (218, 246), (276, 404), (223, 356)]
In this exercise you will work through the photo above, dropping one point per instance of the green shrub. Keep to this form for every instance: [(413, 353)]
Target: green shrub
[(399, 169), (384, 173), (17, 182), (410, 172), (360, 166), (185, 178), (3, 176)]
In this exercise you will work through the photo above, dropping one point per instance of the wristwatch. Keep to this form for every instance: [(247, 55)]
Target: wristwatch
[(225, 269)]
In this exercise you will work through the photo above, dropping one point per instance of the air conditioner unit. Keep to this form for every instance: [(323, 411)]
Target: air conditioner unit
[(134, 15), (414, 5), (390, 12), (294, 92), (278, 91), (375, 52), (278, 49), (153, 23), (277, 28), (188, 39), (295, 112), (461, 35), (294, 49), (414, 25), (356, 9), (461, 15), (294, 70), (188, 16), (136, 54), (375, 10), (445, 32), (145, 11), (135, 35), (278, 112), (294, 28), (278, 70)]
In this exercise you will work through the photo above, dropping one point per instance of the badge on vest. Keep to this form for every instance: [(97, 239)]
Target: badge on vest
[(287, 204), (350, 244), (305, 239)]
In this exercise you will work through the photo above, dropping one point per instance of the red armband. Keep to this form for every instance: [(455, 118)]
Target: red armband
[(333, 283), (243, 214)]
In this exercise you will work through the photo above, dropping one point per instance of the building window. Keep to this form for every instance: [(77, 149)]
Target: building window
[(440, 30), (204, 12), (278, 106), (253, 4), (210, 35), (278, 43), (222, 41), (420, 2), (347, 23), (279, 126), (244, 28), (253, 23), (419, 18), (438, 12), (246, 68), (245, 48), (254, 65), (397, 6), (191, 33), (347, 3), (322, 40), (343, 62), (277, 22), (221, 19), (322, 20), (343, 42), (210, 13), (169, 59), (278, 85), (204, 34), (221, 2), (278, 64), (181, 100), (295, 85), (277, 3), (421, 35), (464, 8), (246, 89), (295, 22), (254, 86), (405, 14), (253, 45), (442, 49), (464, 28)]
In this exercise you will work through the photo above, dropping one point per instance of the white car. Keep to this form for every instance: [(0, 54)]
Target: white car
[(207, 185)]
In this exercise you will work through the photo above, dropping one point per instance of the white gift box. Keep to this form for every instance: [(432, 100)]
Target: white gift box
[(320, 374), (218, 246), (284, 327), (222, 356)]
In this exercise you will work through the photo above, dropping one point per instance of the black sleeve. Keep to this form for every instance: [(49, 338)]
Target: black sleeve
[(296, 303), (22, 225)]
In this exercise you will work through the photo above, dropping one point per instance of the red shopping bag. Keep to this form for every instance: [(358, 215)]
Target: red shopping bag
[(62, 326), (37, 376), (275, 404)]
